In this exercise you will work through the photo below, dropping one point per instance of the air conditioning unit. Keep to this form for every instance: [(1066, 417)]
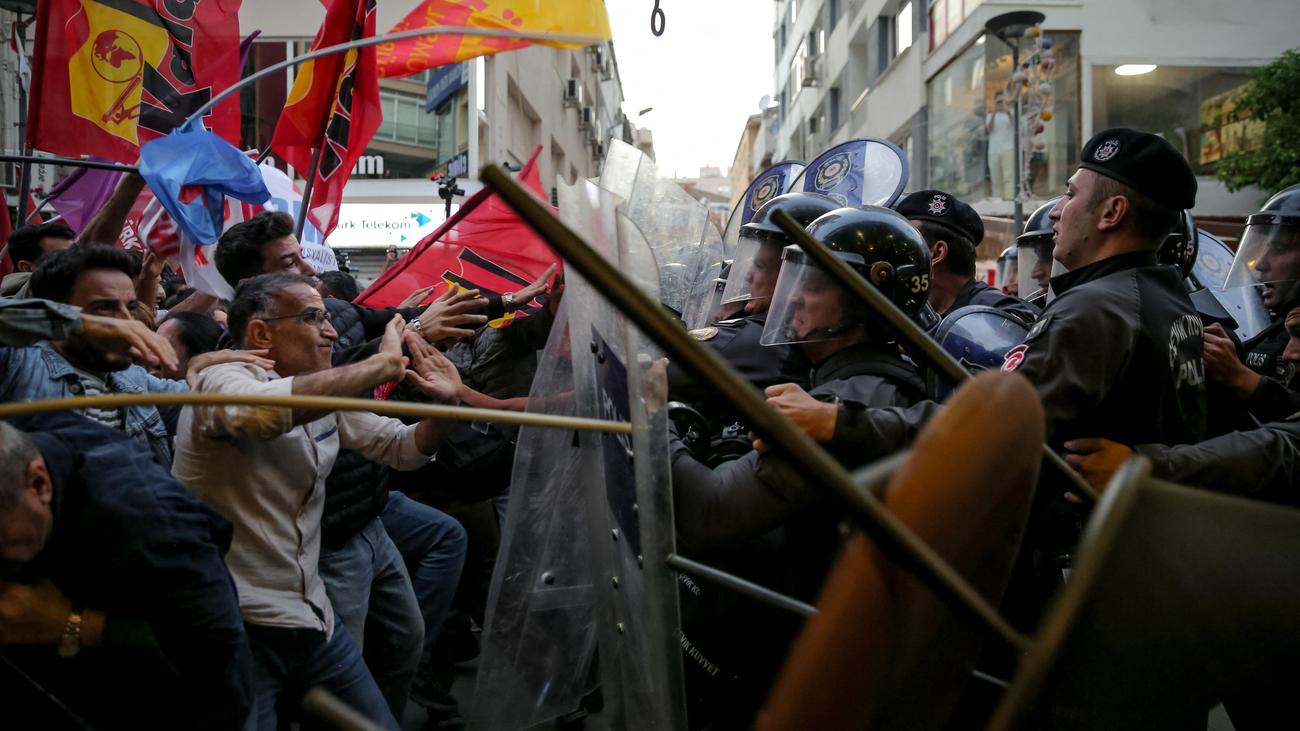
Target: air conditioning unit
[(810, 70), (572, 92), (587, 118)]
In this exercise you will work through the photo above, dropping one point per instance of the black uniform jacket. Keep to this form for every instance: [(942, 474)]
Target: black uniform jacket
[(976, 292), (747, 497), (1262, 463), (736, 340), (1275, 398), (1118, 354)]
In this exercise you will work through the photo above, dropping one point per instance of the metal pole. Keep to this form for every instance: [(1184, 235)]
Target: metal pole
[(319, 403), (901, 324), (75, 162), (735, 583), (1018, 209), (567, 38), (893, 538)]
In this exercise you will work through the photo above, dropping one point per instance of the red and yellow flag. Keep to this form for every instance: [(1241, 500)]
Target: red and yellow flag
[(113, 74), (340, 95), (402, 58)]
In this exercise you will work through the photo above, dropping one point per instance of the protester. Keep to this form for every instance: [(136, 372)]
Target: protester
[(190, 335), (114, 595), (271, 480), (26, 247)]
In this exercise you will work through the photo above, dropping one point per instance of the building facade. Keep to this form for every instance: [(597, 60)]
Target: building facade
[(925, 75)]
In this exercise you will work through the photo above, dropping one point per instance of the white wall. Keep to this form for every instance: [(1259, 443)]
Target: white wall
[(302, 18)]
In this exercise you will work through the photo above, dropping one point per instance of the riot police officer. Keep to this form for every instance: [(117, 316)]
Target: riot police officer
[(1118, 352), (751, 280), (1268, 259), (1008, 279), (953, 230), (757, 504), (1035, 266)]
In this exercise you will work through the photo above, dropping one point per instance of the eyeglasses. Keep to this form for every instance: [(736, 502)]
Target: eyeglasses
[(311, 316)]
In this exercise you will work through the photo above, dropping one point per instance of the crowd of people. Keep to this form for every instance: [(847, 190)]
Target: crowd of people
[(204, 566)]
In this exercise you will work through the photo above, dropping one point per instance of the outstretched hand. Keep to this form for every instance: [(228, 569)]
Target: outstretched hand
[(446, 316), (431, 372), (145, 346), (207, 360)]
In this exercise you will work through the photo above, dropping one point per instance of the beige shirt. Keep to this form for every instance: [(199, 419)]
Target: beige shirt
[(267, 477)]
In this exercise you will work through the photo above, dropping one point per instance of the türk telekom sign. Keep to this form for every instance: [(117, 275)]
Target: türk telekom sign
[(379, 225)]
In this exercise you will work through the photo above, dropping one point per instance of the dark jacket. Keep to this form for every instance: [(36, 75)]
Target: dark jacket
[(356, 490), (1277, 396), (1263, 463), (976, 292), (130, 541), (737, 341)]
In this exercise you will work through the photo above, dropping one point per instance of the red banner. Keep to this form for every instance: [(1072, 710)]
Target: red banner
[(111, 75), (338, 95), (483, 246)]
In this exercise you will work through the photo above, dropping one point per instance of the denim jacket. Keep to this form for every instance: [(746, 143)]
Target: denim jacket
[(39, 372)]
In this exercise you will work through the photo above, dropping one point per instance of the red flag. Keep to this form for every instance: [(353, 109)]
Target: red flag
[(483, 246), (113, 74), (339, 94)]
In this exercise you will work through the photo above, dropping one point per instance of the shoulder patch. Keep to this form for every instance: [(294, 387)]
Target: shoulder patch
[(704, 333), (1014, 357)]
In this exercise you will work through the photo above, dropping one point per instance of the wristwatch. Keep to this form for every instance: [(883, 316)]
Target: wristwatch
[(70, 642), (508, 301), (414, 324)]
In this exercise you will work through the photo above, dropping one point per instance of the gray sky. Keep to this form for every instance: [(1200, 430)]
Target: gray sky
[(704, 76)]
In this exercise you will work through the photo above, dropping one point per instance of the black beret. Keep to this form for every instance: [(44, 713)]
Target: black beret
[(1144, 162), (945, 210)]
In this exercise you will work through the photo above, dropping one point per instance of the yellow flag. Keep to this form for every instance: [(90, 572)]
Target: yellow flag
[(577, 17), (106, 72)]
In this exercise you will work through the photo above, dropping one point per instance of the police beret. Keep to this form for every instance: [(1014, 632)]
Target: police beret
[(944, 209), (1144, 162)]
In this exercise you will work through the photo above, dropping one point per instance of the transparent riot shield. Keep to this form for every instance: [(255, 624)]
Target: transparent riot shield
[(686, 247), (582, 597), (1213, 262)]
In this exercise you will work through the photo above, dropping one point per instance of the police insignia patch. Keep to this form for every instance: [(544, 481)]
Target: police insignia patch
[(765, 192), (833, 170), (938, 204), (1106, 150), (703, 333), (1014, 357)]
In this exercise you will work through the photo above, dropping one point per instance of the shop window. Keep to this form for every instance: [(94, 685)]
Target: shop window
[(1193, 107), (971, 132)]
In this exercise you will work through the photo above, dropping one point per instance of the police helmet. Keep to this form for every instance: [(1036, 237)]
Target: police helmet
[(1181, 245), (879, 244), (1038, 224), (1266, 255)]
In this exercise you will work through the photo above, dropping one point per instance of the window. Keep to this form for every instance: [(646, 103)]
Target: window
[(903, 27), (938, 23), (1190, 106), (833, 107), (781, 46), (796, 69), (405, 120), (832, 13), (884, 43), (794, 11)]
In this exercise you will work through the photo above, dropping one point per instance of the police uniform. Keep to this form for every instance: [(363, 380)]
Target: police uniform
[(1118, 354), (976, 292), (736, 340), (1262, 463), (1276, 397), (949, 213)]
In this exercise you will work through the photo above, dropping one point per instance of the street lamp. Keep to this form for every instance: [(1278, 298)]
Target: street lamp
[(1010, 28)]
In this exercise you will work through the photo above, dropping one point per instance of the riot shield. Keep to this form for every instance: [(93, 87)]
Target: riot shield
[(767, 185), (1213, 262), (867, 171), (686, 247), (582, 596)]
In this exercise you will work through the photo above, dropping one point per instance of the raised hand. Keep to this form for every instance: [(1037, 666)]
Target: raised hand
[(431, 372), (446, 316)]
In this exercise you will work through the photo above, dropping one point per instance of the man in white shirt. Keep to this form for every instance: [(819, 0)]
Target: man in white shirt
[(264, 469), (1001, 129)]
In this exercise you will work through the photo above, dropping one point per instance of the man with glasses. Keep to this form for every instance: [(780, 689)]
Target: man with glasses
[(264, 469)]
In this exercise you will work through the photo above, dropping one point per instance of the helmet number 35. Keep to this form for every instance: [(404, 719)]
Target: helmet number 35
[(920, 283)]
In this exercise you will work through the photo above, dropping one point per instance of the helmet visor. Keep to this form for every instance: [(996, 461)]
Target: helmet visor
[(1008, 274), (1037, 267), (807, 305), (1269, 254), (754, 272)]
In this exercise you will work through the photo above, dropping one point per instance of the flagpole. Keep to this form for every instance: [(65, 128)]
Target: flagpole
[(25, 183), (301, 224), (565, 38)]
